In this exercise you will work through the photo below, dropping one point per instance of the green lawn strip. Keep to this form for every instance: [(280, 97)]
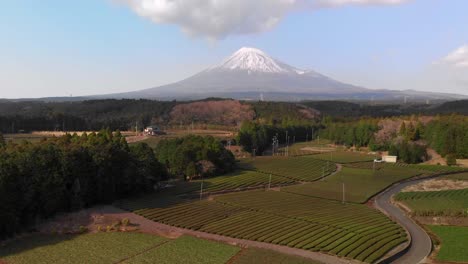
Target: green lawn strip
[(263, 256), (187, 250), (89, 248), (454, 241), (458, 176)]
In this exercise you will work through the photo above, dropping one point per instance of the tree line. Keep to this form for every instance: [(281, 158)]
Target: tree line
[(447, 134), (70, 172), (256, 137)]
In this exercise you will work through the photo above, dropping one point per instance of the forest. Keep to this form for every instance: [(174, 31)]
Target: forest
[(194, 156), (70, 172)]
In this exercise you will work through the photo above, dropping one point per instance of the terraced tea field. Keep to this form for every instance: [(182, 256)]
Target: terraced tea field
[(430, 169), (436, 203), (303, 168), (345, 157), (239, 180), (360, 184), (348, 230)]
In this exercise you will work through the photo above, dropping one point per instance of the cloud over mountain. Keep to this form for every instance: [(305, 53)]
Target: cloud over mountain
[(457, 58), (219, 18)]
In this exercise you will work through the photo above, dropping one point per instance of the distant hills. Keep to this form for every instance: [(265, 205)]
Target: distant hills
[(251, 74)]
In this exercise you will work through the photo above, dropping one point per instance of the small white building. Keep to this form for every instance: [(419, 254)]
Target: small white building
[(390, 159)]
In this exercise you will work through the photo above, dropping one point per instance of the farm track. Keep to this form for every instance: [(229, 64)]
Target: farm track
[(421, 244)]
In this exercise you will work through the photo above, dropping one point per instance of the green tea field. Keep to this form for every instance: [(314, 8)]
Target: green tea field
[(347, 230), (345, 157), (303, 168), (359, 184), (436, 203)]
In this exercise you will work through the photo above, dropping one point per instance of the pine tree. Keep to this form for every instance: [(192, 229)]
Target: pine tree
[(410, 132), (2, 140), (403, 129)]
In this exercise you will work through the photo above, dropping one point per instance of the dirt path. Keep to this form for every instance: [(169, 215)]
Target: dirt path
[(148, 226), (435, 158)]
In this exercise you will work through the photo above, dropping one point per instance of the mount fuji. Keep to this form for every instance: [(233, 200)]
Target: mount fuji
[(251, 74)]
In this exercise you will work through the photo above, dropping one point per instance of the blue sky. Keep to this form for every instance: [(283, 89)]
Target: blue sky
[(62, 48)]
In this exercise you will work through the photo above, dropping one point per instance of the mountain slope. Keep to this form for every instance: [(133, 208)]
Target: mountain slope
[(250, 72)]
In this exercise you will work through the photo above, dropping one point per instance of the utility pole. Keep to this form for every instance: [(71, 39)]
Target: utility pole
[(201, 189), (269, 183), (343, 194), (136, 128)]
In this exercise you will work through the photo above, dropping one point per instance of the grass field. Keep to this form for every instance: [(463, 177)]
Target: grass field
[(263, 256), (18, 138), (459, 176), (92, 248), (360, 184), (134, 248), (152, 141), (345, 157), (115, 248), (188, 250), (436, 203), (309, 147), (350, 230), (454, 241), (303, 168)]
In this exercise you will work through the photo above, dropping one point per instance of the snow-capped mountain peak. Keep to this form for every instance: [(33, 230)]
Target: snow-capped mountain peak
[(254, 60)]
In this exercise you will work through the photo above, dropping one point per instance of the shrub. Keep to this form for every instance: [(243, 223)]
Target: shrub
[(125, 222), (451, 159), (83, 229)]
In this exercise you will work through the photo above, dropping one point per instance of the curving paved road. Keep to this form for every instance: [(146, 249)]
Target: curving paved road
[(421, 244)]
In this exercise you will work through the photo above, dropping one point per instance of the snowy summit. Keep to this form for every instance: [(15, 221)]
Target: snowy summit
[(255, 60)]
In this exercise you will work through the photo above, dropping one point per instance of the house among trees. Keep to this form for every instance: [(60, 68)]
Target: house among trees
[(153, 131)]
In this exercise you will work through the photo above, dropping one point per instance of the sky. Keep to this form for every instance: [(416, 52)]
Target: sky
[(88, 47)]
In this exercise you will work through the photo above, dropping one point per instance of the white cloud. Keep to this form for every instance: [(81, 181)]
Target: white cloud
[(338, 3), (457, 58), (218, 18)]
